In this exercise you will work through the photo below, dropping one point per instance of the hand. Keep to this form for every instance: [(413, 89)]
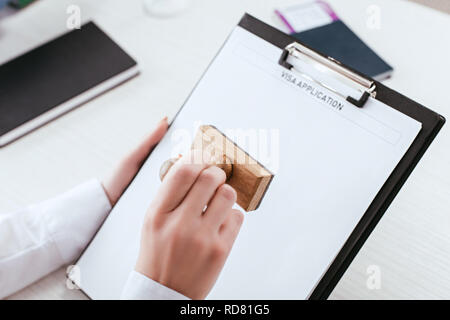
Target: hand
[(129, 166), (184, 246)]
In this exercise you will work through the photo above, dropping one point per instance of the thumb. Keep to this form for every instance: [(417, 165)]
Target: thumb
[(139, 154), (115, 184)]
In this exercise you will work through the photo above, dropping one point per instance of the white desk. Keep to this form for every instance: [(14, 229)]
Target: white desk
[(411, 245)]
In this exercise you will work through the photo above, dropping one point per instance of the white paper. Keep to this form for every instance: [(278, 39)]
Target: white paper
[(333, 159)]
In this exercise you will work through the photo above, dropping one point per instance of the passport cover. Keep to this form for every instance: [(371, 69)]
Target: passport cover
[(338, 41)]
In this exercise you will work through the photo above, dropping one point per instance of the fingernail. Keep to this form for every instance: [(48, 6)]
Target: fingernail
[(164, 119)]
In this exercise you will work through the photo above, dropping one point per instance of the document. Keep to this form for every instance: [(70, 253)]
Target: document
[(329, 160)]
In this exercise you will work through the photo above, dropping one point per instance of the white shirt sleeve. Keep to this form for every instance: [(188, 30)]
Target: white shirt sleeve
[(140, 287), (43, 237)]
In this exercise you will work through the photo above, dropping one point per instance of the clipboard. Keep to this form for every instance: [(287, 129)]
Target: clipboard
[(431, 121), (364, 89)]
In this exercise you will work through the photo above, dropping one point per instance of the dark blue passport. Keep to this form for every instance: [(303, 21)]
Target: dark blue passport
[(341, 43)]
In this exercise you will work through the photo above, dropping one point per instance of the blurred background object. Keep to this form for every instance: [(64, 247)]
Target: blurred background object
[(20, 3), (442, 5), (317, 25), (3, 3), (15, 3)]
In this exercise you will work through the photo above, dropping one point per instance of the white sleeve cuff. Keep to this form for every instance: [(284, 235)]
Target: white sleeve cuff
[(140, 287)]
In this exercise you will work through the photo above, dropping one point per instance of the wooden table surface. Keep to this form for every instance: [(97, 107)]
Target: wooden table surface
[(411, 244)]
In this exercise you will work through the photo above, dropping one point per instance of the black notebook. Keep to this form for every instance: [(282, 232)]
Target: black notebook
[(58, 76)]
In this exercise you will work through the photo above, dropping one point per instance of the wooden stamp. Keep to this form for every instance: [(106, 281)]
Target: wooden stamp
[(249, 178)]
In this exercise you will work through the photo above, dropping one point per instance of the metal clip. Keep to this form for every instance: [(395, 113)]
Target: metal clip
[(364, 85)]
